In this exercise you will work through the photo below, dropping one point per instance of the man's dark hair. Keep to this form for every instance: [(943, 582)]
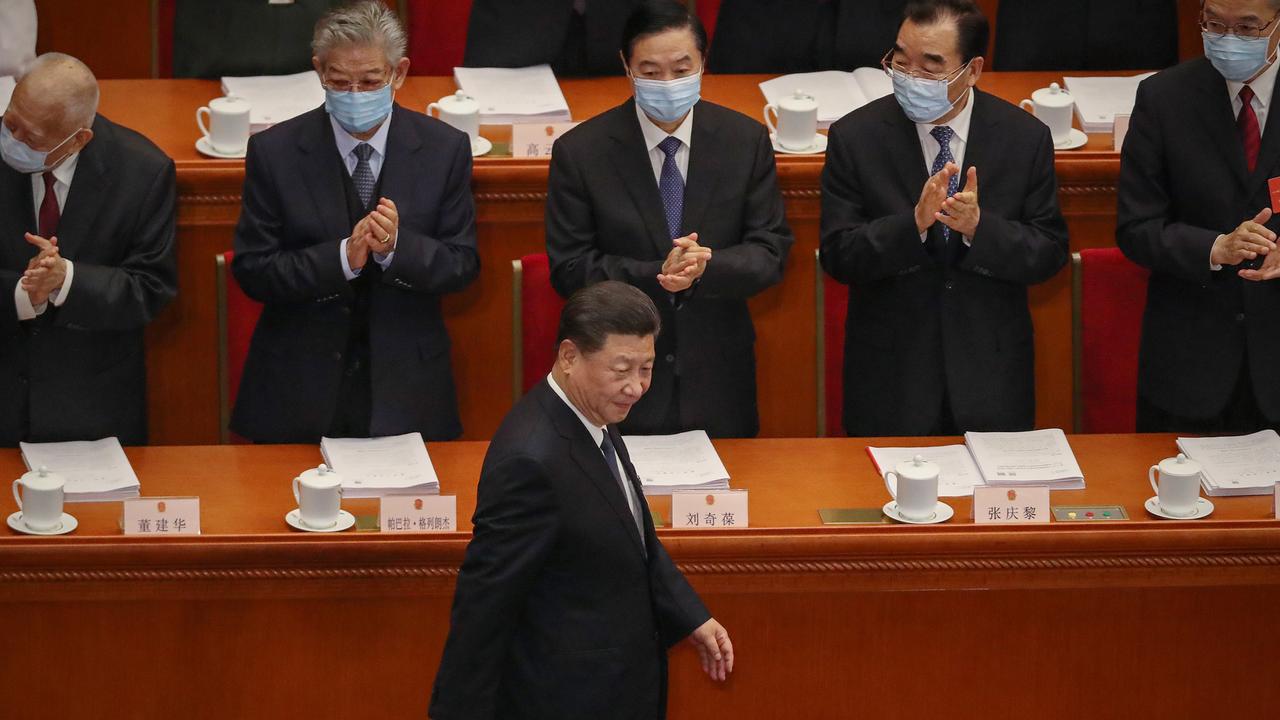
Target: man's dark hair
[(607, 308), (655, 16), (972, 28)]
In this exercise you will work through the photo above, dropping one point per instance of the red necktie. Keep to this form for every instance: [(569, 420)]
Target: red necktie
[(49, 213), (1247, 125)]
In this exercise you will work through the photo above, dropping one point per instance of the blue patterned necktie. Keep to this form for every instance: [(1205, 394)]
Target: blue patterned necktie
[(363, 175), (671, 186), (943, 135)]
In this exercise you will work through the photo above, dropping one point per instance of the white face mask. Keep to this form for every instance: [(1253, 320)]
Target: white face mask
[(21, 156)]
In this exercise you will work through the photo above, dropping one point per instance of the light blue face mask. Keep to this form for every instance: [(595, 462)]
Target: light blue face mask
[(668, 100), (21, 157), (357, 112), (923, 100), (1237, 58)]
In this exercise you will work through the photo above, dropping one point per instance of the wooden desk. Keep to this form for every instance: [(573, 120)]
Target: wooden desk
[(510, 197), (1145, 618)]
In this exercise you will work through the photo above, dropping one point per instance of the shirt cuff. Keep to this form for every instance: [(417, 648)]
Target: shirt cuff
[(347, 272), (382, 260), (22, 301), (59, 296), (968, 241), (924, 235)]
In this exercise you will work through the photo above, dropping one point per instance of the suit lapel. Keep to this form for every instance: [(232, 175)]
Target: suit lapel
[(15, 187), (318, 166), (396, 181), (902, 143), (635, 172), (87, 191), (1215, 114), (1269, 154), (983, 137), (704, 170)]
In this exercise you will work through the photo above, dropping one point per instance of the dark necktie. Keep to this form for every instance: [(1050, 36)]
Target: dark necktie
[(1247, 125), (363, 175), (943, 135), (49, 213), (611, 459), (671, 186)]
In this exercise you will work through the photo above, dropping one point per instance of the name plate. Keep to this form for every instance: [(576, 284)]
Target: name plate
[(161, 516), (418, 513), (1120, 130), (1011, 506), (530, 140), (693, 510)]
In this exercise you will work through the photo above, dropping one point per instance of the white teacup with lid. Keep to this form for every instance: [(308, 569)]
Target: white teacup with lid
[(461, 111), (1178, 488), (1053, 106), (797, 120), (917, 488), (40, 500), (319, 495)]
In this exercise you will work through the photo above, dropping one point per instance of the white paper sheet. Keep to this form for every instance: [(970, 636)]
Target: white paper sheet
[(1099, 99), (686, 461), (377, 466), (95, 470), (7, 83), (1237, 465), (512, 95), (957, 473), (1037, 457), (276, 98)]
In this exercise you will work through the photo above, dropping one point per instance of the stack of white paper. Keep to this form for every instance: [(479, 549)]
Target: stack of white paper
[(667, 463), (838, 93), (514, 95), (95, 471), (1038, 457), (7, 83), (957, 474), (1100, 99), (371, 467), (276, 98), (1242, 465)]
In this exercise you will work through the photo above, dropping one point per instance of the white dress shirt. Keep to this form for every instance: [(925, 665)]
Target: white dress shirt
[(347, 150), (959, 141), (1263, 86), (62, 176), (597, 437), (654, 135)]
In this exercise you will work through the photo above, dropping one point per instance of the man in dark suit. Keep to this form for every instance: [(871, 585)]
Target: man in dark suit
[(86, 261), (567, 602), (939, 339), (244, 37), (1195, 208), (574, 37), (1086, 35), (645, 193), (357, 216)]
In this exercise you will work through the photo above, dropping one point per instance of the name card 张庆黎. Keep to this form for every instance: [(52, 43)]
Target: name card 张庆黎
[(1010, 506)]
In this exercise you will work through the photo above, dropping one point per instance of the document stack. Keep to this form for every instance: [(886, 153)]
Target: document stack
[(1242, 465), (7, 84), (996, 459), (276, 98), (670, 463), (510, 96), (95, 471), (371, 467), (838, 93), (1100, 99)]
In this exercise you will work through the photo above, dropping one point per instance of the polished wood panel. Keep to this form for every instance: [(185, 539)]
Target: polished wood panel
[(1145, 618), (115, 38), (510, 196)]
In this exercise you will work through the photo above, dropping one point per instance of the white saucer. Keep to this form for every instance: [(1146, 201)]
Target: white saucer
[(68, 524), (1203, 509), (345, 521), (818, 147), (204, 148), (1076, 139), (941, 513), (481, 146)]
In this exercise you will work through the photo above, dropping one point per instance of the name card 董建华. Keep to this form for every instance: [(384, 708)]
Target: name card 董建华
[(418, 513), (529, 140), (161, 516), (696, 510), (1010, 506)]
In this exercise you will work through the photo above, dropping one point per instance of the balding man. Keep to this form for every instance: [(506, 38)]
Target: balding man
[(86, 261), (357, 218)]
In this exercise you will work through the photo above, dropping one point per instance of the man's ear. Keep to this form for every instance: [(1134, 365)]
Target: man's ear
[(567, 355)]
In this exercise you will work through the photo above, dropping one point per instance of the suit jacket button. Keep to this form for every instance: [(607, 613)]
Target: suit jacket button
[(337, 356), (1239, 318), (949, 284), (671, 358)]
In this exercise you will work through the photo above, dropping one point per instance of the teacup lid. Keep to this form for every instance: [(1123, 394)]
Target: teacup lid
[(917, 468), (42, 478), (1179, 466), (798, 101), (1053, 96), (231, 103), (459, 103), (321, 476)]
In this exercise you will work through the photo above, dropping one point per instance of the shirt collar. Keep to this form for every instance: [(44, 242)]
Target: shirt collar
[(66, 169), (597, 432), (958, 124), (653, 135), (347, 143), (1263, 85)]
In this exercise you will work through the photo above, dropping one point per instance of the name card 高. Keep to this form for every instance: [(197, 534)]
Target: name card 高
[(161, 516), (709, 510), (418, 513), (1010, 506), (530, 140)]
